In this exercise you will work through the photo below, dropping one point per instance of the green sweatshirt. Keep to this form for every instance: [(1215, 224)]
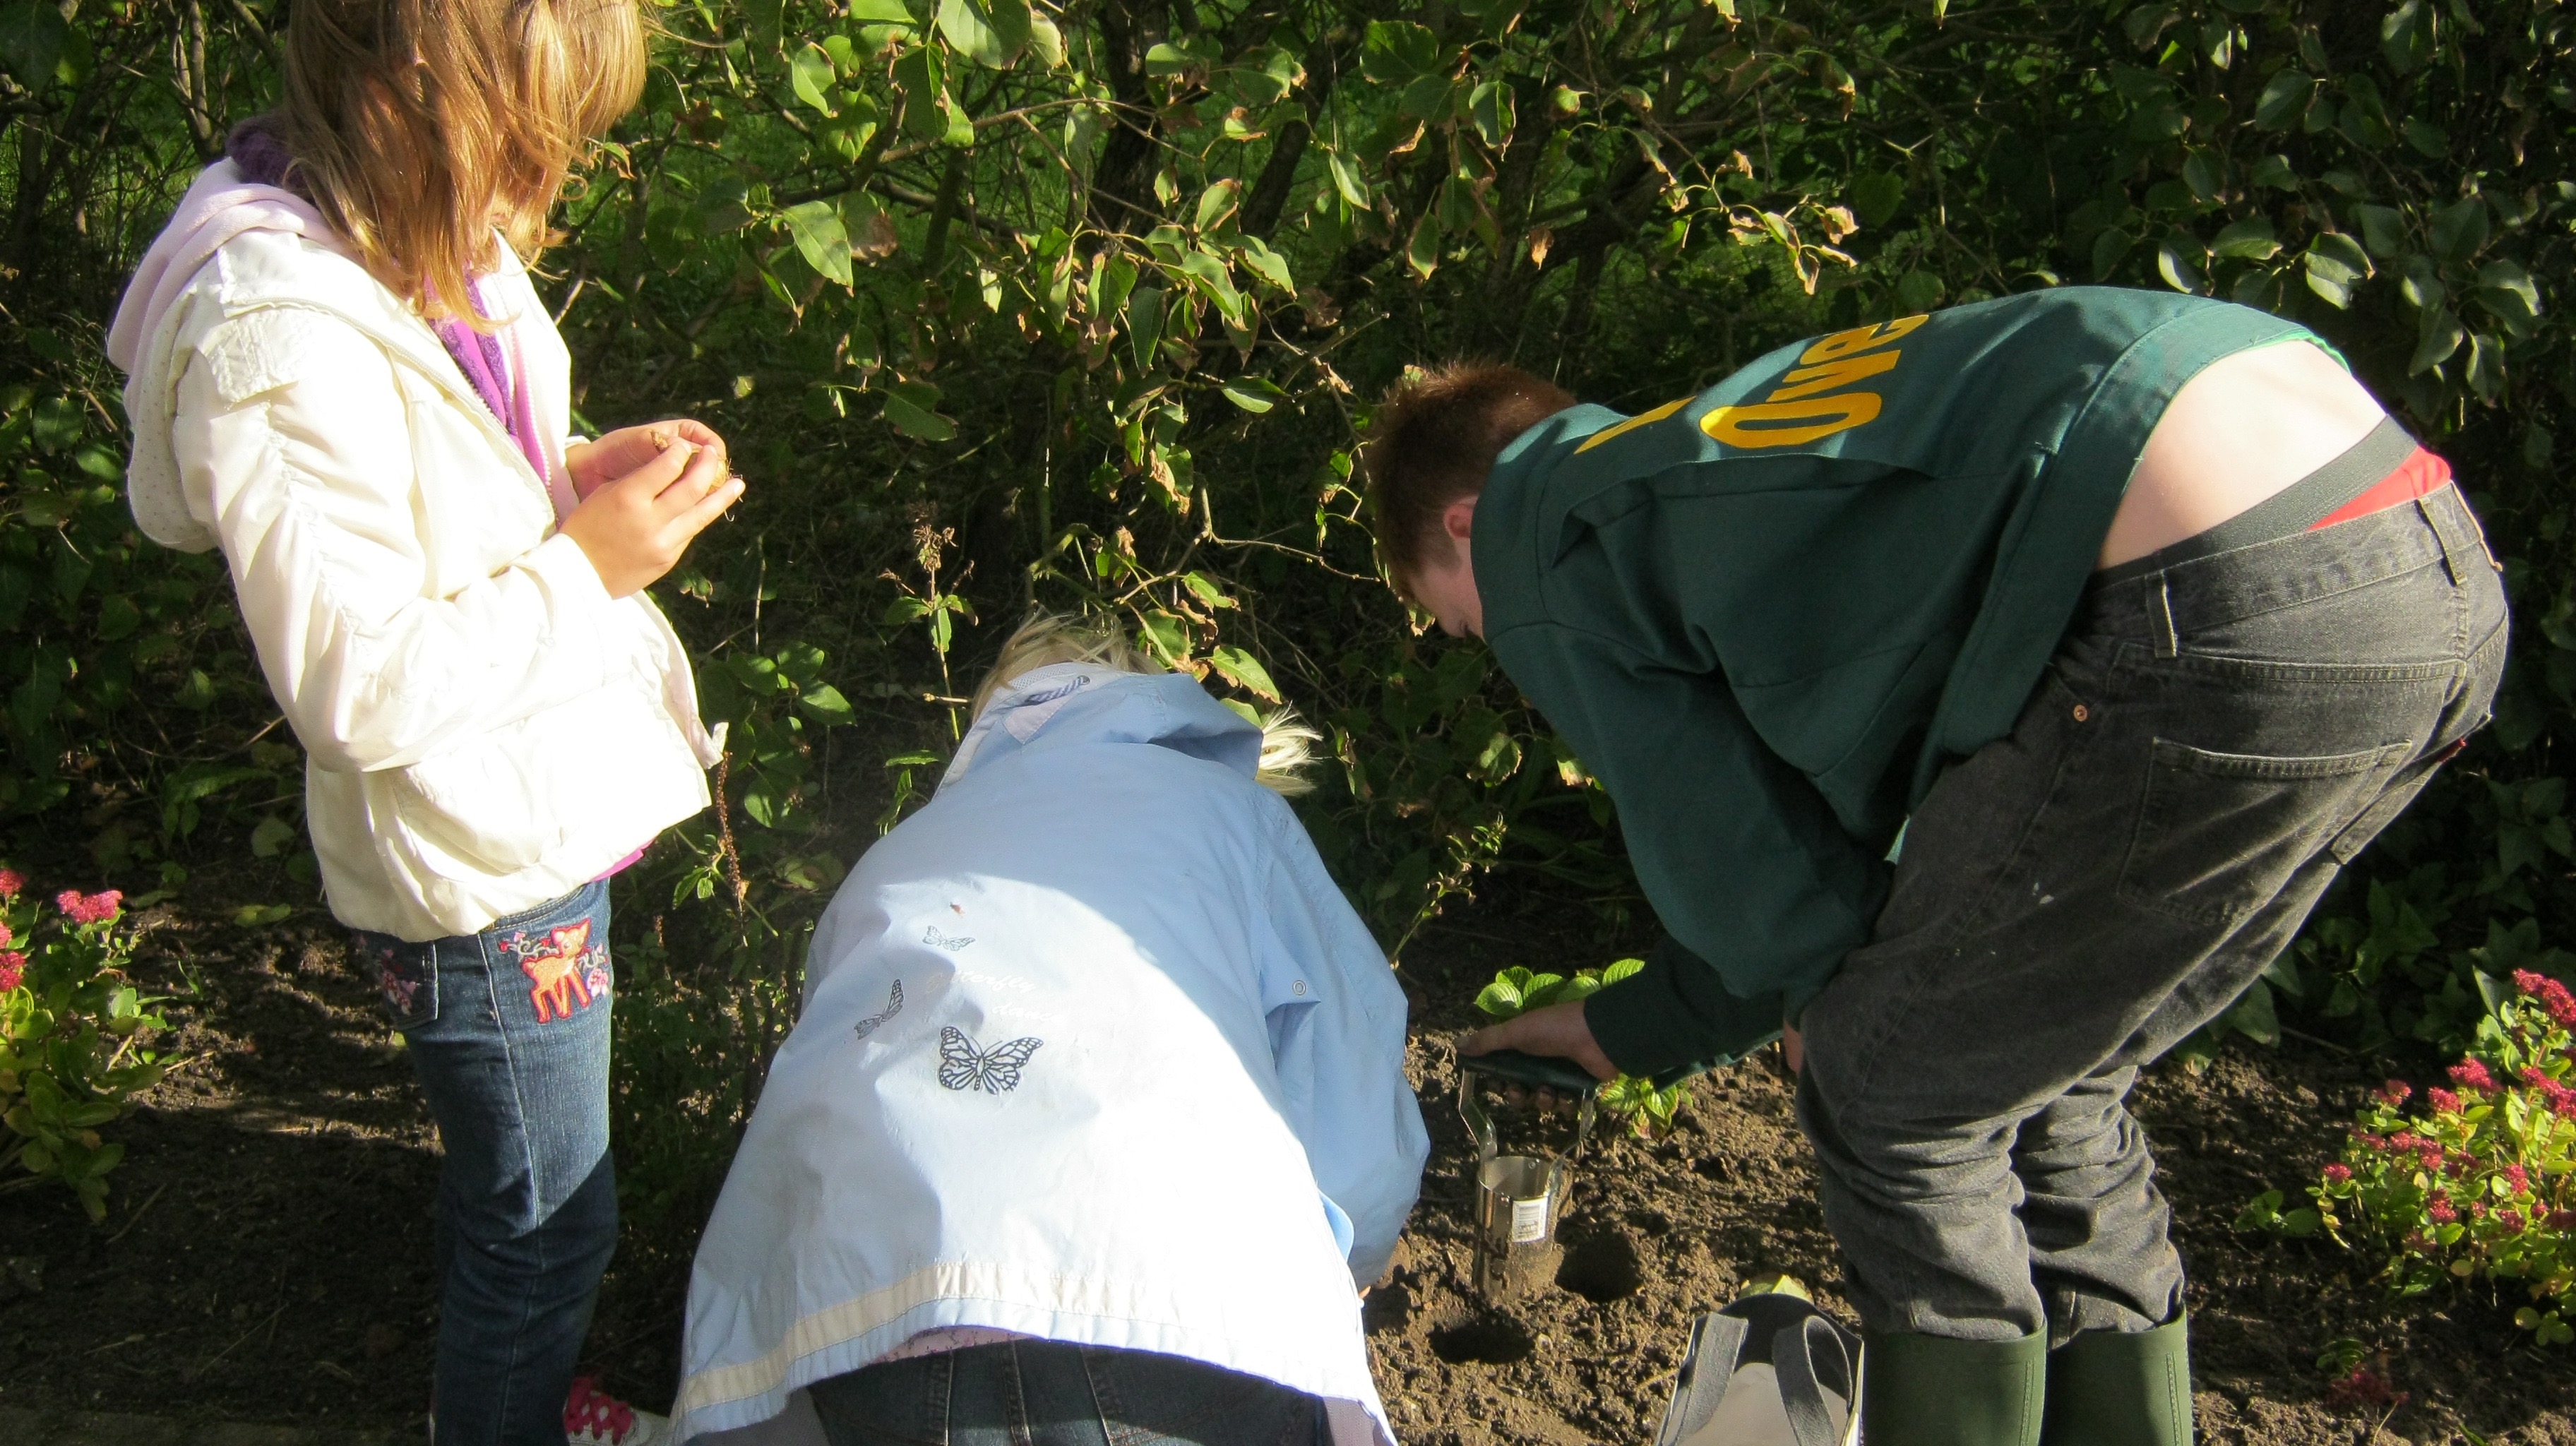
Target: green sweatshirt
[(1768, 614)]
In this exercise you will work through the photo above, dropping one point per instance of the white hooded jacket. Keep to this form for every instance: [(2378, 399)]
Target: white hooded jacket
[(1093, 1050), (484, 727)]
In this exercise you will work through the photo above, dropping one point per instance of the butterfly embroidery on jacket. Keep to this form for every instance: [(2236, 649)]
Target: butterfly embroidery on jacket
[(949, 942), (963, 1066), (894, 1006)]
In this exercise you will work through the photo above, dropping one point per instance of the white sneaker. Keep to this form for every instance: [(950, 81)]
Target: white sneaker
[(592, 1417)]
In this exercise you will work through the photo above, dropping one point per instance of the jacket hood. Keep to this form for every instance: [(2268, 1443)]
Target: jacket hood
[(1071, 704)]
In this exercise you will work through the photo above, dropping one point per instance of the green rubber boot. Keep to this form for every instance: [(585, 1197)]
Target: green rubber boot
[(2109, 1388), (1934, 1391)]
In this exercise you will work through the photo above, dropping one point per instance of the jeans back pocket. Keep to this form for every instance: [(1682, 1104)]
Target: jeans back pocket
[(405, 976), (2220, 834)]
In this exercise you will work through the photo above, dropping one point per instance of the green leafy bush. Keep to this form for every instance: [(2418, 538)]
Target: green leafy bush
[(73, 1032), (2480, 1185)]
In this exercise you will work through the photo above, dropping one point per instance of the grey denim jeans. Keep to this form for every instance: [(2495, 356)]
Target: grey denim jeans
[(2210, 745)]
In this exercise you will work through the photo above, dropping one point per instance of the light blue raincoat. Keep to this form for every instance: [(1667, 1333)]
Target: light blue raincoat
[(1092, 1050)]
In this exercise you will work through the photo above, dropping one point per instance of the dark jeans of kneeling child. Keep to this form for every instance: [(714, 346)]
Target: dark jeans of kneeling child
[(2210, 745), (1054, 1393)]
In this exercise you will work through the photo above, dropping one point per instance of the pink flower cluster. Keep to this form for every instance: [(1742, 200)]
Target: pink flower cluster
[(2471, 1075), (13, 968), (2553, 996), (12, 883), (2562, 1100), (83, 908), (2396, 1092)]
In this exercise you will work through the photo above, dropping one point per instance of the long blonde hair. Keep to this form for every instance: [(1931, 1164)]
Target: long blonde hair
[(1287, 741), (419, 127)]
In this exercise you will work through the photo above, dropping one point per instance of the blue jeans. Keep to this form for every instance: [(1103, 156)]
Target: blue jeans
[(1054, 1393), (509, 1031)]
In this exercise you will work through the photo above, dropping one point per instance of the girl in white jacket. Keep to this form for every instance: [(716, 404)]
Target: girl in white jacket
[(1095, 1119), (340, 374)]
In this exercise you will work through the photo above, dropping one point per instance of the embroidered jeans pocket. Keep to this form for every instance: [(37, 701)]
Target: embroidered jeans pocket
[(2220, 834), (406, 977)]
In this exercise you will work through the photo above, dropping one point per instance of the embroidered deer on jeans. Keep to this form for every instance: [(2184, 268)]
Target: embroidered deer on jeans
[(565, 972)]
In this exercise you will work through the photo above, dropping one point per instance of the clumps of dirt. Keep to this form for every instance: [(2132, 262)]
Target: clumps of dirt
[(1660, 1231)]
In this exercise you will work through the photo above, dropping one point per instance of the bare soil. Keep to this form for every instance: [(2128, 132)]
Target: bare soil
[(266, 1256)]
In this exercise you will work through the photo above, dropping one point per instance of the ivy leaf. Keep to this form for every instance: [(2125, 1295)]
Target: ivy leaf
[(2284, 97), (1254, 394), (820, 238), (810, 74), (912, 408), (1244, 671)]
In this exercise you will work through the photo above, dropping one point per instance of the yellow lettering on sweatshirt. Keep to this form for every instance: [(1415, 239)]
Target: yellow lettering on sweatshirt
[(1790, 424), (1630, 425), (1810, 404)]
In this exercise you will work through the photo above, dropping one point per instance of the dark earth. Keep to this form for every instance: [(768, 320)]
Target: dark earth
[(266, 1253)]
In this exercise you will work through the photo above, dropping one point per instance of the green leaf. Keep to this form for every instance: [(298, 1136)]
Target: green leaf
[(2460, 228), (2284, 97), (825, 702), (2252, 1015), (2175, 263), (919, 75), (1422, 250), (2248, 240), (1217, 203), (1244, 671), (2486, 372), (820, 238), (1346, 181), (1267, 264), (912, 408), (2383, 230), (2334, 265), (1918, 291), (1492, 107), (1876, 196), (1499, 1000), (271, 838), (2429, 140), (880, 12), (1395, 52), (2275, 172), (1254, 394), (1145, 324), (811, 75), (989, 32), (2508, 291), (32, 36)]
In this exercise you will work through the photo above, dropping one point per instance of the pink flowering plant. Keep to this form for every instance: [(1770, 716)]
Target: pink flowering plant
[(2479, 1181), (72, 1035)]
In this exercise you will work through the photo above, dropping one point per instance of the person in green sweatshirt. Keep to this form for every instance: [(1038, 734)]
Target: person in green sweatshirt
[(1986, 697)]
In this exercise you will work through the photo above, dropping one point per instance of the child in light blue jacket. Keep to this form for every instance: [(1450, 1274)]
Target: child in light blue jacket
[(1096, 1113)]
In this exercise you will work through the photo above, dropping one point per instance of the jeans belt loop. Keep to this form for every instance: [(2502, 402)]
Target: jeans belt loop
[(2446, 530), (2160, 615)]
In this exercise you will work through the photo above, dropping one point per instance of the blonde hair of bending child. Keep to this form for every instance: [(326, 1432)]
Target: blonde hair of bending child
[(1287, 742)]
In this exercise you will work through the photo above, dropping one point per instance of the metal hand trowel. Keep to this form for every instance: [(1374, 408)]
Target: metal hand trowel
[(1519, 1198)]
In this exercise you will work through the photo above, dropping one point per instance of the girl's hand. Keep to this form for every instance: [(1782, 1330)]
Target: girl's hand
[(1558, 1030), (595, 464), (634, 527), (1793, 1048)]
